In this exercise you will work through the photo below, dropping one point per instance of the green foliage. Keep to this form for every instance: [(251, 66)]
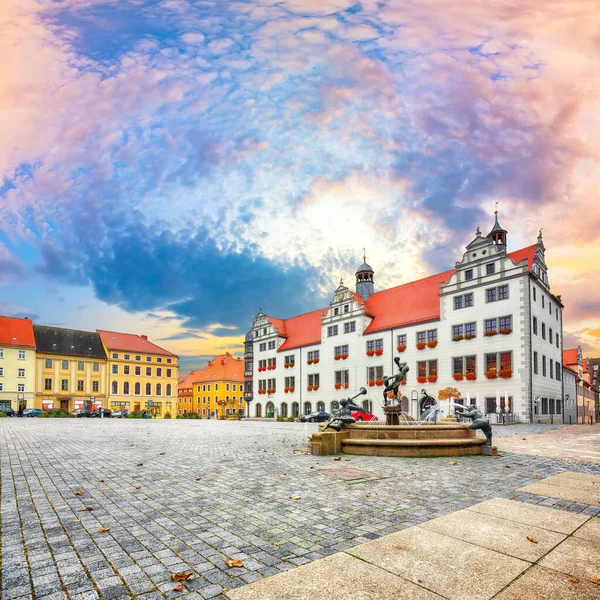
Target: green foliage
[(167, 415), (56, 413), (135, 414), (2, 415), (189, 416)]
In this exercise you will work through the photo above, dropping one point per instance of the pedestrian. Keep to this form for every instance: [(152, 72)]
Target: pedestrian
[(143, 414)]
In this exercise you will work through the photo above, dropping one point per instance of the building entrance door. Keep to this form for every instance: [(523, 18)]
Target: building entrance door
[(64, 405)]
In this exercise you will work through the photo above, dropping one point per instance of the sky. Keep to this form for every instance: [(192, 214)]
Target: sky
[(167, 167)]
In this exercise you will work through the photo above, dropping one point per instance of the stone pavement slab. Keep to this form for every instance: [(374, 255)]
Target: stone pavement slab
[(445, 565), (564, 489), (338, 577), (497, 534), (575, 556), (590, 531), (544, 584), (546, 518)]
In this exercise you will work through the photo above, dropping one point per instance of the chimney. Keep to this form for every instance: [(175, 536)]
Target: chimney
[(144, 337)]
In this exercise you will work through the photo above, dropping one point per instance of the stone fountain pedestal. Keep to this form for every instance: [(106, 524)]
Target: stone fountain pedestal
[(445, 439)]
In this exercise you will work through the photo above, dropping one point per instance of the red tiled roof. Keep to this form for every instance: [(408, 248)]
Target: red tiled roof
[(223, 367), (570, 356), (129, 342), (406, 304), (16, 332)]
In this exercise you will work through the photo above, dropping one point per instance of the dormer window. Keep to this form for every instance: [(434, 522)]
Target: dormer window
[(490, 268), (469, 275), (346, 308), (336, 311)]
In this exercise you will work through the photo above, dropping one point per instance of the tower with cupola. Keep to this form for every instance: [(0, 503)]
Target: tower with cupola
[(365, 284)]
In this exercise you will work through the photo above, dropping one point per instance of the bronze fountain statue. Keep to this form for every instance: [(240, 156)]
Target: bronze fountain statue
[(393, 383), (343, 416), (478, 421)]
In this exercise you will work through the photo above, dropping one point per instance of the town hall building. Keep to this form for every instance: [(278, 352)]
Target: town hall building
[(490, 327)]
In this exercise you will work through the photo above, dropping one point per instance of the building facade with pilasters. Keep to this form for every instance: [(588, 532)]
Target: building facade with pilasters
[(490, 327)]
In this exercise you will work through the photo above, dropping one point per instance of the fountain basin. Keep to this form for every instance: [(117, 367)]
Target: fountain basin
[(419, 440)]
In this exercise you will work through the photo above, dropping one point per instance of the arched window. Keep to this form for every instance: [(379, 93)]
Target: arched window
[(115, 387), (321, 407), (368, 405), (295, 409), (284, 409), (148, 389), (259, 410), (307, 408), (138, 388), (335, 405), (126, 388), (158, 389), (168, 389)]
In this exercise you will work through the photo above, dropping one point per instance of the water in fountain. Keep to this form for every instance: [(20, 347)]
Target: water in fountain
[(431, 413)]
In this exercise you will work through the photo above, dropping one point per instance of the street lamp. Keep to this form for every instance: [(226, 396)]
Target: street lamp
[(20, 402)]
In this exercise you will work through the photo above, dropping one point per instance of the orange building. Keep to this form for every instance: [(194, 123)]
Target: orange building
[(216, 391)]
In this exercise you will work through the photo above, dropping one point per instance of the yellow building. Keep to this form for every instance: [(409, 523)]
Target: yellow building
[(217, 390), (17, 363), (141, 376), (71, 369)]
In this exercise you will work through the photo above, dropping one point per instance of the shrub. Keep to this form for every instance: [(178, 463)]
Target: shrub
[(290, 419), (56, 413), (135, 414), (280, 419), (457, 338), (2, 415), (167, 415)]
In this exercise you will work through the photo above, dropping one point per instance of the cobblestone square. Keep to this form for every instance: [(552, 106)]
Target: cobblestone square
[(110, 508)]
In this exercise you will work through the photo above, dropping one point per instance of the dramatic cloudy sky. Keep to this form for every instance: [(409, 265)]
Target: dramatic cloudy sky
[(167, 166)]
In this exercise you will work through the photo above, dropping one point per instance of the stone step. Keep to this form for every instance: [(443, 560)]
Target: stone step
[(414, 448), (401, 432)]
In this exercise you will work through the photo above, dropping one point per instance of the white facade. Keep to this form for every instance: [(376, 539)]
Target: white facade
[(505, 295)]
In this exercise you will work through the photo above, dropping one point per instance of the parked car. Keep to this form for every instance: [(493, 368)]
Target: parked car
[(81, 412), (32, 412), (120, 414), (315, 417), (96, 414), (7, 410), (361, 415)]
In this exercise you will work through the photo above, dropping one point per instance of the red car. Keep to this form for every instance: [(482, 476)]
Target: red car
[(361, 415)]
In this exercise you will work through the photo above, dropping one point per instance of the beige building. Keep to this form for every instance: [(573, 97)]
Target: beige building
[(17, 363)]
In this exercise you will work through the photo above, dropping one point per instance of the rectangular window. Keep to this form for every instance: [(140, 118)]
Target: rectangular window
[(506, 361), (543, 302), (48, 384), (65, 364), (557, 370), (457, 366), (350, 327), (148, 371), (115, 355), (290, 382), (159, 372), (421, 337), (491, 295), (1, 372), (550, 335), (535, 325), (138, 370), (470, 330), (432, 335), (64, 385), (422, 368), (95, 386), (468, 274), (21, 354), (125, 369), (490, 326), (1, 352), (126, 357), (544, 366), (505, 324), (313, 355), (216, 387), (169, 361), (21, 373), (48, 363), (401, 339), (551, 365), (95, 367), (557, 344), (468, 300), (346, 308), (148, 359), (458, 302), (227, 387), (490, 268), (1, 387), (341, 350), (543, 331), (342, 378), (138, 357), (336, 311), (332, 330), (374, 345), (503, 292), (271, 364), (115, 369), (491, 362), (457, 331), (169, 372), (313, 380), (544, 400), (471, 364), (80, 366), (20, 387), (80, 385), (534, 295), (374, 374), (271, 345), (289, 361), (159, 360), (432, 365), (535, 363)]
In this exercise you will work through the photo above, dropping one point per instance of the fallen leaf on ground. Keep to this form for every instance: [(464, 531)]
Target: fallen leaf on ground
[(86, 508), (79, 492), (77, 521), (162, 453), (573, 580), (230, 562), (532, 539), (224, 590), (198, 478), (347, 459), (130, 444), (416, 462), (139, 464), (595, 580), (178, 588), (338, 458), (452, 462), (294, 497), (368, 494), (138, 487), (182, 576), (101, 480), (103, 529), (524, 438)]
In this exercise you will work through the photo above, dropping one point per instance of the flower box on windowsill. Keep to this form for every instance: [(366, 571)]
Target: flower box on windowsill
[(315, 388), (287, 366), (421, 345), (505, 373), (491, 374), (371, 382), (309, 388), (432, 344), (490, 333), (457, 338), (370, 352), (379, 382), (432, 378), (458, 376), (346, 386), (291, 390), (286, 390), (506, 331), (309, 361), (471, 376), (421, 379), (344, 356), (401, 348), (338, 386), (316, 361), (470, 336), (292, 365), (337, 357), (378, 352)]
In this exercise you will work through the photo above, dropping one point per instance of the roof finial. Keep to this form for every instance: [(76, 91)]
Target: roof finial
[(364, 255), (478, 232), (496, 211), (341, 281)]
